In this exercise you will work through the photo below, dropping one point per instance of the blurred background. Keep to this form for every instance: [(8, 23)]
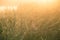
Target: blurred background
[(29, 19)]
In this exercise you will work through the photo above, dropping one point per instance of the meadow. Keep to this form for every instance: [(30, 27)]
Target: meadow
[(30, 23)]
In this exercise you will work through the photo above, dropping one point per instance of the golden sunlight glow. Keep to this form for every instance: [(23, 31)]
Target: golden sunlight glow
[(13, 4), (39, 5), (3, 8), (45, 1), (48, 3), (40, 1)]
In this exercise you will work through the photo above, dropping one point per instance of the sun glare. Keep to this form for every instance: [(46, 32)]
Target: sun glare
[(3, 8), (11, 3)]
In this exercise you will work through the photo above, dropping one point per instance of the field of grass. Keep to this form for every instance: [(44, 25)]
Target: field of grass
[(30, 24), (15, 26)]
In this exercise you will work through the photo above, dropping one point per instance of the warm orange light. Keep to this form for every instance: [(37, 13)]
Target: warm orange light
[(46, 1), (3, 8)]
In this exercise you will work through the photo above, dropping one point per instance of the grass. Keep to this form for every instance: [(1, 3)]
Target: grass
[(24, 27)]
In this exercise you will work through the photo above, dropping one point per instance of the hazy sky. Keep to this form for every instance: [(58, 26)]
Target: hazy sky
[(16, 2), (9, 2), (37, 4)]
